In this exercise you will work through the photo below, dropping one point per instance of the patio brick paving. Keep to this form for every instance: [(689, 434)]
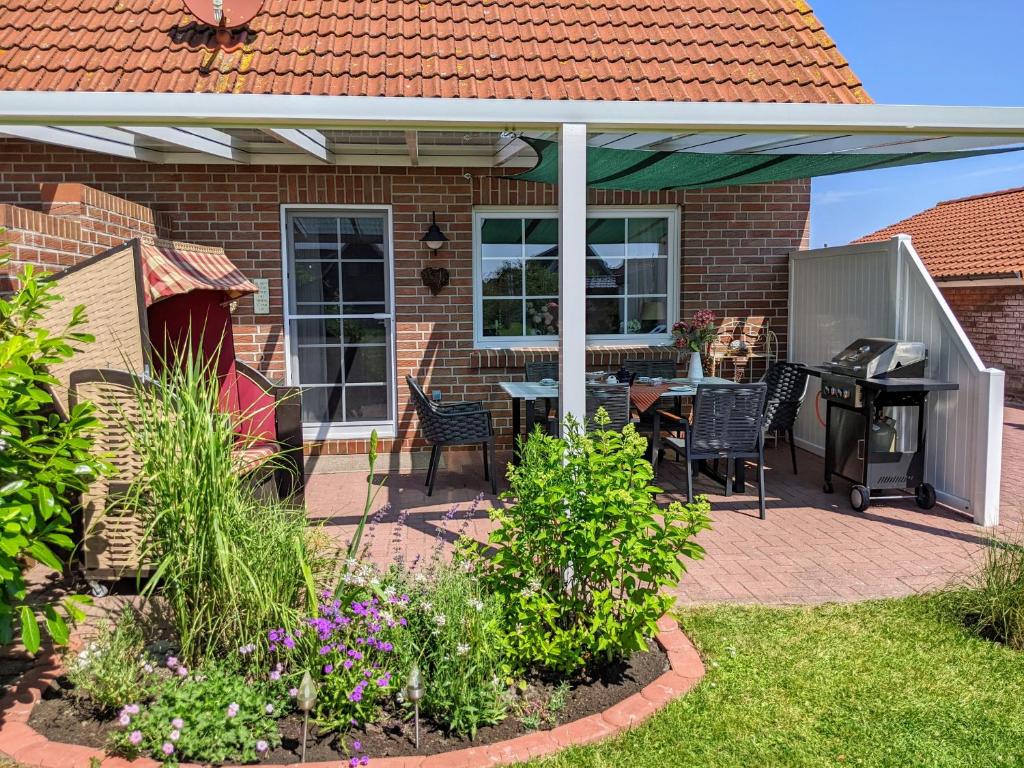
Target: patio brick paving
[(812, 548)]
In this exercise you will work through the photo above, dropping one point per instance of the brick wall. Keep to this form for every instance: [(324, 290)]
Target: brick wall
[(735, 243), (993, 318)]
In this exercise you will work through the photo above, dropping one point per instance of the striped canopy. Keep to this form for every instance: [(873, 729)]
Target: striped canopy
[(172, 268), (640, 169)]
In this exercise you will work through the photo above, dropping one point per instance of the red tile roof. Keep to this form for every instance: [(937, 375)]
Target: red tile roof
[(979, 235), (650, 50)]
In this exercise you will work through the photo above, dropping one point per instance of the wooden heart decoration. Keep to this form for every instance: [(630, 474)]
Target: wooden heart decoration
[(435, 278)]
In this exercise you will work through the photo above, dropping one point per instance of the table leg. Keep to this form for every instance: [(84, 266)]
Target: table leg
[(655, 441), (740, 479), (531, 413), (516, 417)]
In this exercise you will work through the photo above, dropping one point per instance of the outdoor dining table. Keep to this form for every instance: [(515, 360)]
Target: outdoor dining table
[(644, 397)]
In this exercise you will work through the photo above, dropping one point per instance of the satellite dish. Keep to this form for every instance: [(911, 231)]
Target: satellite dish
[(226, 14)]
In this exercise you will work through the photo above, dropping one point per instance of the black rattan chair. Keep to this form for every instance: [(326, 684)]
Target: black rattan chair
[(726, 424), (787, 386), (614, 398), (666, 369), (445, 424), (545, 412)]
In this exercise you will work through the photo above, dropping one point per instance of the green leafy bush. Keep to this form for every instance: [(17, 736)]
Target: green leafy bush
[(584, 554), (991, 601), (454, 635), (44, 460), (230, 564), (213, 714), (113, 668)]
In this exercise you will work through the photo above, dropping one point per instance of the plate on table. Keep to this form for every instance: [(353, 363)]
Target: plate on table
[(689, 388), (548, 383)]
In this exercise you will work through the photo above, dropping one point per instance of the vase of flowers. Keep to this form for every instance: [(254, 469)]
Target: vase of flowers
[(695, 336)]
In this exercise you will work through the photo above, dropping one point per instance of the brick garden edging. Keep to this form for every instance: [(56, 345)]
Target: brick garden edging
[(22, 743)]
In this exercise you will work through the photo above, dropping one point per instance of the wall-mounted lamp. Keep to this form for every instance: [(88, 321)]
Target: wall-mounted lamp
[(434, 238)]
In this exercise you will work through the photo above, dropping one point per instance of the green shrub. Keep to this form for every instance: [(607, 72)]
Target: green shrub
[(991, 601), (454, 635), (584, 554), (213, 714), (44, 460), (113, 669), (230, 564)]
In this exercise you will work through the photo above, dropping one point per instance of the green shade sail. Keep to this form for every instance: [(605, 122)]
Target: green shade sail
[(638, 169)]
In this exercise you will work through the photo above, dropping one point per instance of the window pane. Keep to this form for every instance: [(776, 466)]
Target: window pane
[(502, 278), (363, 282), (315, 252), (647, 315), (647, 275), (362, 230), (542, 277), (365, 332), (318, 309), (319, 365), (313, 332), (496, 231), (366, 403), (316, 281), (604, 316), (542, 237), (314, 229), (606, 238), (648, 237), (605, 277), (542, 316), (365, 364), (503, 317), (321, 404)]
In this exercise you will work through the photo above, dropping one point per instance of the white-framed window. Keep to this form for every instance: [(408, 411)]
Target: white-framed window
[(339, 317), (632, 275)]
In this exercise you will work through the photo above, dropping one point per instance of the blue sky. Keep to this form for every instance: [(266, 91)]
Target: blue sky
[(921, 52)]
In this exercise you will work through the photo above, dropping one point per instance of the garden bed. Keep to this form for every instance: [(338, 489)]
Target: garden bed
[(60, 716), (621, 699)]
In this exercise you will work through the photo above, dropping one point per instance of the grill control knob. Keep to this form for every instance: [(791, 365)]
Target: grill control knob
[(845, 393)]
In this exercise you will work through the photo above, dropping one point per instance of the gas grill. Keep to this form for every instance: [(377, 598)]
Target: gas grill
[(876, 396)]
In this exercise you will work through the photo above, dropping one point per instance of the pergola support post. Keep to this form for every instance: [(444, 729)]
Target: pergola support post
[(572, 249)]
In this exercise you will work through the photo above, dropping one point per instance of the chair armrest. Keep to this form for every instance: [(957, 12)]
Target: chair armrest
[(675, 417), (466, 406)]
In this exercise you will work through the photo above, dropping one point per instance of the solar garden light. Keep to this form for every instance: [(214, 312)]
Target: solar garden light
[(414, 692), (305, 700)]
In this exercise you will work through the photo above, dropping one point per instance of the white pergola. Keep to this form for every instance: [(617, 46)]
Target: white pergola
[(378, 131)]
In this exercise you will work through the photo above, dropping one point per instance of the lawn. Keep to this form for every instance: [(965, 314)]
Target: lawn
[(884, 683)]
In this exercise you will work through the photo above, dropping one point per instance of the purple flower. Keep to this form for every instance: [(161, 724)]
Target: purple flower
[(328, 668), (174, 735), (167, 748), (232, 709), (364, 760), (269, 709), (382, 682), (357, 745), (245, 650), (262, 746), (172, 662), (125, 719), (348, 664), (177, 723), (354, 762), (293, 692), (324, 650), (132, 709), (275, 675), (182, 671), (135, 737)]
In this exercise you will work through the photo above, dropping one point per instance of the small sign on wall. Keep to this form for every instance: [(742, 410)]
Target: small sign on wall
[(261, 299)]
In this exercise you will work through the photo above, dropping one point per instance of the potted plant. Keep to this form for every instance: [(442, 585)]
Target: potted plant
[(696, 336)]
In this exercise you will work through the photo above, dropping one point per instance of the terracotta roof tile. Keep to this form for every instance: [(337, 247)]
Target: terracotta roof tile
[(979, 235), (697, 50)]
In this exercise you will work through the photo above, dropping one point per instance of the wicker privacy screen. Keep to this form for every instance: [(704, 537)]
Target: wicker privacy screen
[(638, 169)]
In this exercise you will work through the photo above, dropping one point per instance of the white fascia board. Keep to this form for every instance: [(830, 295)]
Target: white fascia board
[(206, 141), (109, 141), (271, 111), (1007, 281), (310, 141)]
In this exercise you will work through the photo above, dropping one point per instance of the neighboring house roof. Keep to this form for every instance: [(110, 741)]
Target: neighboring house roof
[(972, 236), (648, 50)]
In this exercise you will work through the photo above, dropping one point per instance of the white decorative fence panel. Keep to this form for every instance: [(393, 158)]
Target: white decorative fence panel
[(882, 289)]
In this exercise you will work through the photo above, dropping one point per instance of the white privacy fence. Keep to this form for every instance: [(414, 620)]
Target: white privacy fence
[(883, 290)]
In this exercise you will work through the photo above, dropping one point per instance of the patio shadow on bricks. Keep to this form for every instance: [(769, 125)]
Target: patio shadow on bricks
[(812, 548)]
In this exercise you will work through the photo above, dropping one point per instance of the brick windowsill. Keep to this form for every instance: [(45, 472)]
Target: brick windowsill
[(597, 355), (22, 743)]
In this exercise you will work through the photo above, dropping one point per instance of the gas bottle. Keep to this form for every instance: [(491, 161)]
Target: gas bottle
[(883, 435)]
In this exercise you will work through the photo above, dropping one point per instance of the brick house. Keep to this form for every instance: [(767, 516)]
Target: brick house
[(974, 249), (317, 147)]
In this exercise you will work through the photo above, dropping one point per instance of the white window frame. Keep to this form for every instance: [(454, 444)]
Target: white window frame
[(335, 430), (670, 212)]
